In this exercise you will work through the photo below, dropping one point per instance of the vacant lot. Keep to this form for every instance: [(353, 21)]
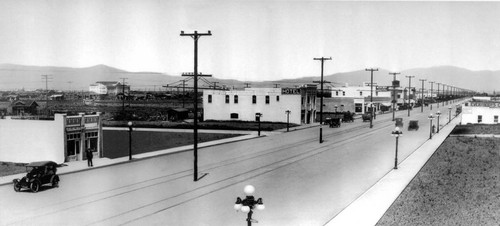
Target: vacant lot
[(459, 185), (116, 141)]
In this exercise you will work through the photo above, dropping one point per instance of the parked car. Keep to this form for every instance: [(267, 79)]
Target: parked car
[(38, 174), (366, 116)]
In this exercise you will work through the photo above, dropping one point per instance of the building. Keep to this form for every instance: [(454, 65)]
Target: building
[(60, 140), (485, 110), (357, 99), (271, 103), (108, 88)]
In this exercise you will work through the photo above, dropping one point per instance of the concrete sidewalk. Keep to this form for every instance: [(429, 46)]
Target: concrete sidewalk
[(372, 205), (77, 166)]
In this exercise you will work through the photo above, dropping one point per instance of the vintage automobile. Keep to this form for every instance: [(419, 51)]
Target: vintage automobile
[(38, 174), (366, 116)]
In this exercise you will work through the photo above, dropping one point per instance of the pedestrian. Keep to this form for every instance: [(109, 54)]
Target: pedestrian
[(90, 155)]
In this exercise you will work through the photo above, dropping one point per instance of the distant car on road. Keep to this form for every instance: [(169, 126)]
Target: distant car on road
[(38, 174)]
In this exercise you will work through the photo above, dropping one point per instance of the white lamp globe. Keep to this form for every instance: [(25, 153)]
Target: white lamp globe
[(396, 129), (245, 209), (237, 206), (260, 207), (249, 190), (129, 123)]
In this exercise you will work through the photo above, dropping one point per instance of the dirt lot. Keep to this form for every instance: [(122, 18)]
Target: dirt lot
[(459, 185)]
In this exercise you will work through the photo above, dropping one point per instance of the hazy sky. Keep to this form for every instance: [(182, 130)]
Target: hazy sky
[(252, 40)]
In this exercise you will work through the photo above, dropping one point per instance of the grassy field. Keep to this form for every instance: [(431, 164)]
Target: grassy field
[(459, 185), (9, 168), (116, 141), (476, 129)]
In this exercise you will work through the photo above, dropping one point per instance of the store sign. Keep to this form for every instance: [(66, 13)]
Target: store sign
[(485, 104), (73, 121), (290, 91), (74, 129)]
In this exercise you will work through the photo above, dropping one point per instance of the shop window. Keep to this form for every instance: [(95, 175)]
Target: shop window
[(227, 99), (479, 118), (209, 98), (254, 99), (277, 98), (235, 99), (234, 115), (267, 99), (358, 107)]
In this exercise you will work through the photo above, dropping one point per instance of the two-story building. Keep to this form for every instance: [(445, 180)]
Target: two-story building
[(272, 103)]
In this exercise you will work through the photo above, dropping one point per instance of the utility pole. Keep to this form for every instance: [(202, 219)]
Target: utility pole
[(422, 107), (371, 70), (195, 37), (437, 94), (123, 92), (321, 102), (394, 94), (432, 83), (409, 91), (47, 80)]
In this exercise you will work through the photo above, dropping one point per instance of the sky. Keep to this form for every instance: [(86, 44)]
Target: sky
[(251, 40)]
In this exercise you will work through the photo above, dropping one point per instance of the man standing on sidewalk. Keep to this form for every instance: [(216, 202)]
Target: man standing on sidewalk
[(90, 155)]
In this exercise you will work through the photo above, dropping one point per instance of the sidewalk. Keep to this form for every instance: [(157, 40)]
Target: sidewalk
[(372, 205), (72, 167)]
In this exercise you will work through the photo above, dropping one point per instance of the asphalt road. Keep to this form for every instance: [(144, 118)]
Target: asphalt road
[(301, 181)]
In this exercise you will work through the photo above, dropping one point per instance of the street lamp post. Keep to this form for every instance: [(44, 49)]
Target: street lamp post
[(422, 101), (449, 114), (321, 99), (397, 133), (249, 203), (258, 115), (438, 113), (129, 140), (431, 117), (371, 70), (287, 120)]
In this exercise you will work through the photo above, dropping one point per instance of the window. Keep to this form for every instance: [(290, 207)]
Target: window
[(235, 99), (376, 93), (399, 96), (267, 99), (209, 98), (254, 99), (277, 98), (234, 115), (343, 93), (495, 119), (336, 93), (361, 93), (308, 99), (479, 118), (227, 99), (466, 104), (302, 101)]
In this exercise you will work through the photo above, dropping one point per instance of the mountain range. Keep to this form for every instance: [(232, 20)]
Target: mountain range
[(17, 77)]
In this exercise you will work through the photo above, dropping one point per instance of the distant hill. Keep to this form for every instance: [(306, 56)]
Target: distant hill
[(15, 77)]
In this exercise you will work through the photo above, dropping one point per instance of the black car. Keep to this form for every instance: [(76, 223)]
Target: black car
[(38, 174)]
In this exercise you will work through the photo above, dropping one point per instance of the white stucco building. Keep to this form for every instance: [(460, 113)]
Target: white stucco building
[(60, 140), (481, 110), (272, 103), (108, 87)]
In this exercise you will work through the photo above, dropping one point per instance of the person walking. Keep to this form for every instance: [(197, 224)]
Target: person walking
[(90, 155)]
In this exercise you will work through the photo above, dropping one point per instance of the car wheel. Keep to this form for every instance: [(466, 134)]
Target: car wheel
[(17, 188), (35, 186), (55, 182)]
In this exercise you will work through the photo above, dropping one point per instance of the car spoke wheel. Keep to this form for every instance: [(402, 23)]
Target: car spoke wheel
[(35, 186), (17, 187), (55, 182)]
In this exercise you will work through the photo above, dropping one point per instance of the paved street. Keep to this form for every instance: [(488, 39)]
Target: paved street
[(301, 181)]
